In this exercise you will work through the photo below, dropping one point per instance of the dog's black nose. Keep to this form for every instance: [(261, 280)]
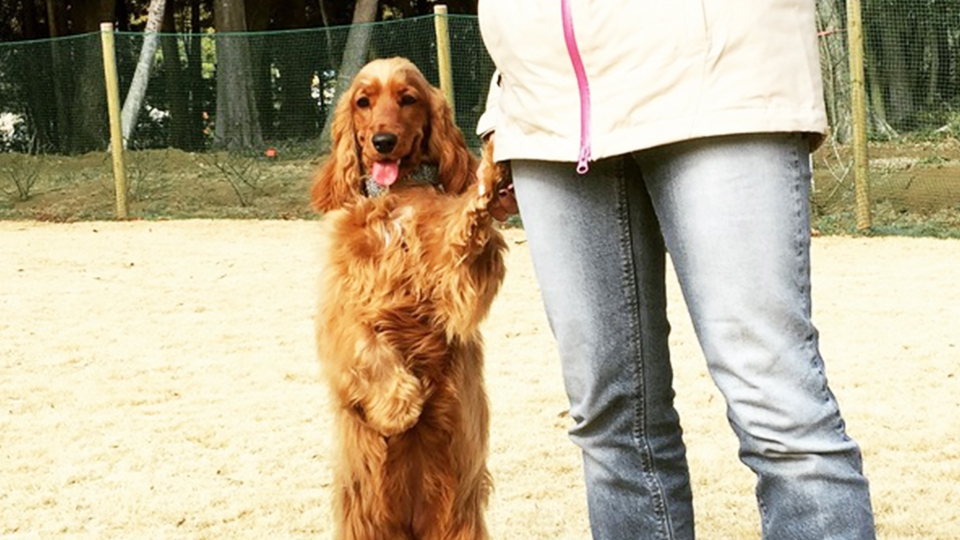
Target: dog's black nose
[(384, 142)]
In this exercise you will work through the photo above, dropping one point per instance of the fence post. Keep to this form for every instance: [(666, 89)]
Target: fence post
[(113, 107), (858, 115), (443, 52)]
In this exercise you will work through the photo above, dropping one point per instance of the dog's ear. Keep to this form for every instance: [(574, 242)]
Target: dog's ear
[(338, 180), (446, 146)]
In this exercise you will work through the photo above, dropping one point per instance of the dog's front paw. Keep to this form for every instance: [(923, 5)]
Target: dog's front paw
[(395, 404)]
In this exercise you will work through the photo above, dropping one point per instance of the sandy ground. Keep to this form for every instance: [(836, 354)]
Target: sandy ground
[(158, 380)]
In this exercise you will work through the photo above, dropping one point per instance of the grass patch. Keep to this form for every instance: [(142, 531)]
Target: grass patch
[(162, 184), (914, 187)]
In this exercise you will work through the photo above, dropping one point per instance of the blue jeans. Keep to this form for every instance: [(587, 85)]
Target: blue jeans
[(733, 213)]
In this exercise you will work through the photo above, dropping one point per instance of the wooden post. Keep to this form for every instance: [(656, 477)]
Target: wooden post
[(443, 52), (859, 115), (113, 108)]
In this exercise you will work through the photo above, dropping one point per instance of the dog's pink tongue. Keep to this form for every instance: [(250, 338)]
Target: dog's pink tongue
[(385, 173)]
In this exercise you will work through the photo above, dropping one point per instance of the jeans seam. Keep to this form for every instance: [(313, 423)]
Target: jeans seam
[(801, 244), (629, 276), (802, 238), (800, 233)]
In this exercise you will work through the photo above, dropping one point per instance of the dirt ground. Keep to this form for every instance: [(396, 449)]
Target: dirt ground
[(158, 381)]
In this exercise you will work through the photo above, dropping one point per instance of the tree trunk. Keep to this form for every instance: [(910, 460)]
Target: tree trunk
[(873, 59), (141, 76), (877, 111), (354, 57), (931, 55), (36, 74), (894, 74), (56, 21), (298, 114), (835, 62), (175, 87), (236, 125), (89, 122), (258, 16), (327, 23), (199, 97)]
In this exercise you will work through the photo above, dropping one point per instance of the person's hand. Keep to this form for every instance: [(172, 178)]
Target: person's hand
[(504, 203)]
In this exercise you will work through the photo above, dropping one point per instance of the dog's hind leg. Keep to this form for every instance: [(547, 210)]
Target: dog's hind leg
[(463, 521), (372, 497), (467, 522), (360, 522), (453, 481)]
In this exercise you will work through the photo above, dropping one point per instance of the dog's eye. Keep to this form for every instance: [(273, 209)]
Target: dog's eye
[(363, 102), (407, 99)]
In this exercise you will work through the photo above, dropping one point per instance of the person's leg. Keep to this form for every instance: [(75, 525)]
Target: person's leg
[(735, 218), (600, 262)]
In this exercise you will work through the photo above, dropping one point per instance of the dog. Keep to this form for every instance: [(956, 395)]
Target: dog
[(412, 264)]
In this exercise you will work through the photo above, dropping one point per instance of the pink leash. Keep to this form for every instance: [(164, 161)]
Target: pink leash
[(571, 40)]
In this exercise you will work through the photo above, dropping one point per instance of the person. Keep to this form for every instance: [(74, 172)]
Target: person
[(640, 129)]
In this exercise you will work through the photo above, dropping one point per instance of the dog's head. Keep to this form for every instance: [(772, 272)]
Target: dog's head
[(388, 123)]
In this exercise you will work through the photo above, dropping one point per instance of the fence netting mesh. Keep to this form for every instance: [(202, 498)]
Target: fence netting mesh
[(53, 98), (53, 107)]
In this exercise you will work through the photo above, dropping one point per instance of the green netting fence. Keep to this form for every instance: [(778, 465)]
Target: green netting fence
[(53, 97), (186, 158)]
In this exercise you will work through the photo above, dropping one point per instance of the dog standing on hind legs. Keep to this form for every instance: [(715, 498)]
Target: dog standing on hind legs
[(412, 265)]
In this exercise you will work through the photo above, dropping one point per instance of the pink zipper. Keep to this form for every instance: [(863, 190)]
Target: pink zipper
[(571, 40)]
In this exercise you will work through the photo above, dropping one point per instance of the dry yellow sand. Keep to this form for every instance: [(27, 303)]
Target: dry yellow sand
[(158, 381)]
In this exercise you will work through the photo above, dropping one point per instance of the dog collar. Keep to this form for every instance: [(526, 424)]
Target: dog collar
[(426, 173)]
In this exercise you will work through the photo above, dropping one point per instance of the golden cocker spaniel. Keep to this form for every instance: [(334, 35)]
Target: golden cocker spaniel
[(412, 263)]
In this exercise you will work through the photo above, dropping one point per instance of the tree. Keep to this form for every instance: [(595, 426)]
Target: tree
[(835, 64), (892, 68), (40, 91), (237, 124), (354, 56), (297, 112), (141, 76), (88, 122), (884, 66)]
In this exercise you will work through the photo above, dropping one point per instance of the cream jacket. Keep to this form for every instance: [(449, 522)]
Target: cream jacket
[(656, 71)]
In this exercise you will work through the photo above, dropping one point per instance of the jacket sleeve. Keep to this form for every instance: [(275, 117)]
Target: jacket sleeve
[(488, 120)]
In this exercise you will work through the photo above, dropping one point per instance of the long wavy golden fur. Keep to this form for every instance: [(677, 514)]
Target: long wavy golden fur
[(407, 279)]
